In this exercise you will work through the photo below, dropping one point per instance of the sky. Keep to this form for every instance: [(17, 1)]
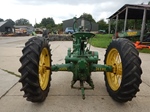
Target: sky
[(59, 10)]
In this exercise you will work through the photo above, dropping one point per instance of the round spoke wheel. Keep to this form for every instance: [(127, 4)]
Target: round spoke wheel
[(123, 82), (35, 77)]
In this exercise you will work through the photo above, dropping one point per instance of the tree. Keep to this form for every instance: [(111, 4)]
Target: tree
[(47, 22), (1, 19), (44, 22), (59, 27), (22, 21), (134, 24), (37, 25), (102, 25), (88, 17), (121, 25), (11, 21)]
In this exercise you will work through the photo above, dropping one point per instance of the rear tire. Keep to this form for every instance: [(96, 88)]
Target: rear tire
[(123, 83), (35, 78)]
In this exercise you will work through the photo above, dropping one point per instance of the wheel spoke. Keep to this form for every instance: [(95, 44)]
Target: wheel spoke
[(119, 71), (40, 77), (117, 58), (119, 77), (114, 57)]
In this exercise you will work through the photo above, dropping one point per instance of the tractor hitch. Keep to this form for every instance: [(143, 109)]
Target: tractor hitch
[(82, 88)]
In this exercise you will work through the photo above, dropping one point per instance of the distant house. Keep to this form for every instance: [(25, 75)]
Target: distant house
[(24, 29), (6, 27), (69, 23)]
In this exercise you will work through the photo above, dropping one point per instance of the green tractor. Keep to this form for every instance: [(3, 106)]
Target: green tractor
[(134, 35), (122, 65)]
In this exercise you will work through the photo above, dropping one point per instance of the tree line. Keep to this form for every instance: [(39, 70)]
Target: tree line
[(49, 23)]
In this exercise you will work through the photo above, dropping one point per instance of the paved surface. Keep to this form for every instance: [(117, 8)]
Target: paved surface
[(61, 97)]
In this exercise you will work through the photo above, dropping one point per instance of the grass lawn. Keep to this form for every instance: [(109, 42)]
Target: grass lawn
[(103, 40), (144, 50)]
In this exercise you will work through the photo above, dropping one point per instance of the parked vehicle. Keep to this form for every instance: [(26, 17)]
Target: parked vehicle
[(69, 30), (101, 31)]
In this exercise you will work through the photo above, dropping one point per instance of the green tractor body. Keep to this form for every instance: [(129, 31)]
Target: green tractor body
[(81, 61)]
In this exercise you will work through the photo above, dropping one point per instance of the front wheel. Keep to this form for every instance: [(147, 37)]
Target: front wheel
[(35, 78), (123, 83)]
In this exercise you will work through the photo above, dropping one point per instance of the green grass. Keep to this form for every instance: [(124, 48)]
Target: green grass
[(145, 50), (101, 40)]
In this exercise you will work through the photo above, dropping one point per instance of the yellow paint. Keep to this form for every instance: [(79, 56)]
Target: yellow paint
[(63, 69), (132, 33), (114, 78), (100, 69), (44, 74)]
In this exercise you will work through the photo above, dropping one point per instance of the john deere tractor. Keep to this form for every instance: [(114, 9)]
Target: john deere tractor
[(122, 65)]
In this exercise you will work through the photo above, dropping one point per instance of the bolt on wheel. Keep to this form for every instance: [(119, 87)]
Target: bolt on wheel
[(123, 82)]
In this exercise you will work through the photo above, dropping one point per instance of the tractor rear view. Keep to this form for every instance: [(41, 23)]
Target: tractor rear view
[(122, 65)]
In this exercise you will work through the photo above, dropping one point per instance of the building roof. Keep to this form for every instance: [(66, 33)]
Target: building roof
[(2, 23), (134, 12)]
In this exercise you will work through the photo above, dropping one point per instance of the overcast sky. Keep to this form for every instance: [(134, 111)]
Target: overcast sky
[(60, 10)]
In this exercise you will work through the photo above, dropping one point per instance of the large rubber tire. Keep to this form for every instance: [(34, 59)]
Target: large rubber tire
[(123, 83), (35, 78)]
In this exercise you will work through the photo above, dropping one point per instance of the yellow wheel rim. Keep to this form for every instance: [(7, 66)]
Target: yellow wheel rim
[(114, 78), (43, 72)]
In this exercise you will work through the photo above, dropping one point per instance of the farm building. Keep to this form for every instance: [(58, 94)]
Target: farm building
[(134, 12), (69, 23), (6, 27)]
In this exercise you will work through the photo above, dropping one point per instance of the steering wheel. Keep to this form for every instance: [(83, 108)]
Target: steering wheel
[(82, 25)]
